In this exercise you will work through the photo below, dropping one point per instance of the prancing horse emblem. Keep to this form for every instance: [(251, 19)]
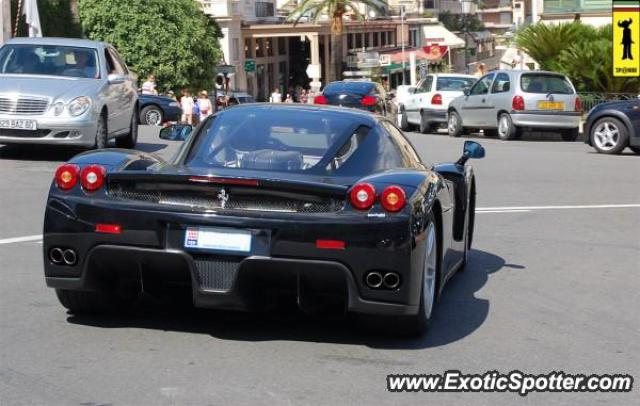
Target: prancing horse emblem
[(223, 197)]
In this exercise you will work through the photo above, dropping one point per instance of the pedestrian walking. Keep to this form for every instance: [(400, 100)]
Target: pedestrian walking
[(149, 86), (304, 97), (481, 70), (186, 103), (205, 105), (276, 96), (289, 98), (195, 111)]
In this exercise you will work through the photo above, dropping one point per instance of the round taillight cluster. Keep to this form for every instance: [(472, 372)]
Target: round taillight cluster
[(66, 176), (369, 101), (363, 196), (320, 99), (92, 177)]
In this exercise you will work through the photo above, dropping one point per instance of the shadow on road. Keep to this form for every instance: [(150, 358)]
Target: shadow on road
[(458, 315)]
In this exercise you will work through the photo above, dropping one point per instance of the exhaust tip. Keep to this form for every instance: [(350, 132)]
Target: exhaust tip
[(69, 257), (391, 280), (56, 255), (373, 279)]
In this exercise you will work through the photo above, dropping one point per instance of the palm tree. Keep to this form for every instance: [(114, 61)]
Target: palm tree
[(335, 10)]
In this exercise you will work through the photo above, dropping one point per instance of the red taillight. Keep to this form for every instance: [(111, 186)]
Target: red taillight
[(330, 244), (320, 100), (517, 103), (92, 177), (369, 101), (108, 228), (578, 105), (66, 176), (393, 198), (362, 196), (436, 99)]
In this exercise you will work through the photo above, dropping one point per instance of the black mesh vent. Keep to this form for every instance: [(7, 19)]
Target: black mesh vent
[(240, 202), (216, 273), (10, 132)]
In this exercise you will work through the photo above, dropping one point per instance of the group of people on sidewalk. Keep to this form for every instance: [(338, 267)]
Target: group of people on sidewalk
[(297, 95), (195, 108)]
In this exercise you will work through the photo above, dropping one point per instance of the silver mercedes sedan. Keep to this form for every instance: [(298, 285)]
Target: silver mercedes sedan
[(66, 91)]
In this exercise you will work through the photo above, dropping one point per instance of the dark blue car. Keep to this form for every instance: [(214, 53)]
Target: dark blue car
[(155, 110), (614, 126)]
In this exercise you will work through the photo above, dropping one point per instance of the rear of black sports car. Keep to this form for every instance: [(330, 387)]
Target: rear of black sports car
[(242, 232)]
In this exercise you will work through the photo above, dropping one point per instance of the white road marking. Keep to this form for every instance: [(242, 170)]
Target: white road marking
[(26, 238), (516, 209)]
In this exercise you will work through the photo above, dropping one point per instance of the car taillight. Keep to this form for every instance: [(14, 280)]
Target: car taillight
[(517, 103), (362, 196), (320, 100), (92, 177), (393, 198), (369, 101), (578, 105), (66, 176), (436, 99)]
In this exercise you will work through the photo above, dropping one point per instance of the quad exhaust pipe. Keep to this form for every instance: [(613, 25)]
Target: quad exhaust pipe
[(61, 256), (376, 280)]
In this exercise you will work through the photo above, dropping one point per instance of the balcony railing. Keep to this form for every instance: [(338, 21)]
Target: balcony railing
[(576, 6)]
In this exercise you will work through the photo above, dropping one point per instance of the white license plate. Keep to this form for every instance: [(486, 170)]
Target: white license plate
[(220, 239), (18, 124)]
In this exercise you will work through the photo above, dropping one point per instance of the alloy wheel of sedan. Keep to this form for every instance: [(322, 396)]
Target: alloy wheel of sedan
[(606, 135), (430, 266), (153, 117)]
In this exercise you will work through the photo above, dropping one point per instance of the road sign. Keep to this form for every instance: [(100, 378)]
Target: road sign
[(626, 38), (249, 65), (225, 69), (385, 60)]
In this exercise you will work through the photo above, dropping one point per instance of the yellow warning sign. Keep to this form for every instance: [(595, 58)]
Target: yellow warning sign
[(626, 37)]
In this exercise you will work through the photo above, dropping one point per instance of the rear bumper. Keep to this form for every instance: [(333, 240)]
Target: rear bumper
[(151, 249), (435, 116), (547, 120), (54, 130)]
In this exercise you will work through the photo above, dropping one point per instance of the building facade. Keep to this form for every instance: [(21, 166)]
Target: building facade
[(593, 12)]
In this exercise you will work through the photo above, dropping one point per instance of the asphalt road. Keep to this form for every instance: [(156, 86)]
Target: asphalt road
[(548, 288)]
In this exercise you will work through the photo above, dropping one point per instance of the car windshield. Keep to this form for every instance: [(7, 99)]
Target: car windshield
[(49, 60), (545, 83), (277, 140), (348, 87), (454, 83)]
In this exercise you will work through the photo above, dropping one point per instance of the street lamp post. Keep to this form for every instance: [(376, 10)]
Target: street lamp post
[(468, 9), (402, 11)]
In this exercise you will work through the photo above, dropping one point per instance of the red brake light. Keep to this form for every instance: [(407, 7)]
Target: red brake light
[(362, 196), (578, 105), (92, 177), (393, 198), (66, 176), (108, 228), (436, 99), (517, 103), (369, 101), (320, 100)]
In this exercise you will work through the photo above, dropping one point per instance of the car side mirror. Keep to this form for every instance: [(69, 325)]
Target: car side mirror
[(176, 132), (471, 150), (465, 90), (115, 78)]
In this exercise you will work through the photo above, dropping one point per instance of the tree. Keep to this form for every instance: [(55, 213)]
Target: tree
[(172, 39), (455, 22), (581, 52), (336, 10), (55, 17)]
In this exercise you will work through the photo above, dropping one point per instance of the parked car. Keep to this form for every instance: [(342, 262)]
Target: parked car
[(613, 126), (326, 204), (235, 98), (66, 91), (155, 110), (506, 102), (359, 94), (426, 105)]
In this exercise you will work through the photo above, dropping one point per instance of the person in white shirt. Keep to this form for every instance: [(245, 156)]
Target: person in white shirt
[(186, 103), (149, 86), (205, 105), (276, 97)]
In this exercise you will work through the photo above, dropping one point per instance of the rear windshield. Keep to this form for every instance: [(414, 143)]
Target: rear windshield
[(49, 60), (454, 83), (281, 140), (348, 87), (544, 83)]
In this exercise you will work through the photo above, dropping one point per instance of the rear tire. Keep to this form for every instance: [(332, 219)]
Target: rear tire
[(609, 135), (101, 133), (129, 140), (404, 121), (151, 115), (80, 302), (570, 135), (506, 129), (454, 124)]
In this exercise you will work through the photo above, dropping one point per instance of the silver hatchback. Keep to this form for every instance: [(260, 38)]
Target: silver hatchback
[(66, 91), (504, 103)]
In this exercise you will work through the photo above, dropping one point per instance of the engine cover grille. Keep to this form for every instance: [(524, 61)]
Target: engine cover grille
[(216, 273), (23, 105)]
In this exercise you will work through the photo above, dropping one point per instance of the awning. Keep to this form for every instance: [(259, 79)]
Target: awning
[(438, 35)]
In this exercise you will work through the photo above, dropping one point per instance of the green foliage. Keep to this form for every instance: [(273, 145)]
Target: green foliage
[(172, 39), (455, 22), (580, 51), (55, 17)]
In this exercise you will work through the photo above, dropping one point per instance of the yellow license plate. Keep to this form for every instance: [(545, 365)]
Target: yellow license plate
[(549, 105)]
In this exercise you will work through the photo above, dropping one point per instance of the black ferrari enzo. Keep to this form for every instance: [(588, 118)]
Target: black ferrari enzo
[(264, 200)]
